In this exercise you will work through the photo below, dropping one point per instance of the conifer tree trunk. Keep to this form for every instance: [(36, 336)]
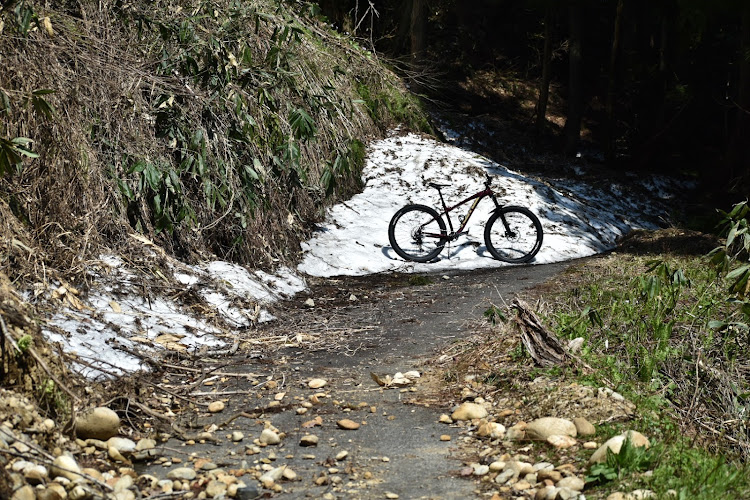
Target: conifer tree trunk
[(575, 85), (541, 105), (418, 31), (739, 154), (612, 84)]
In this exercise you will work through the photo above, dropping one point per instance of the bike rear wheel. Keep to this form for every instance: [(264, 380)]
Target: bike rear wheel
[(513, 234), (417, 233)]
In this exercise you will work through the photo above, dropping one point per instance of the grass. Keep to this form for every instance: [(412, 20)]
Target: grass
[(654, 329), (664, 327)]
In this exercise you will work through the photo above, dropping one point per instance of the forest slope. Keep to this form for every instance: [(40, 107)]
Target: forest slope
[(219, 128)]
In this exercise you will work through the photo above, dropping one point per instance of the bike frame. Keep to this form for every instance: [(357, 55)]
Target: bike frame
[(477, 197)]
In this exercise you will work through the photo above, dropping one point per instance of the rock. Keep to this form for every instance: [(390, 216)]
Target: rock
[(79, 493), (522, 485), (310, 303), (571, 482), (497, 466), (640, 495), (349, 425), (546, 493), (584, 427), (145, 444), (391, 495), (124, 495), (35, 474), (115, 455), (516, 433), (617, 495), (590, 445), (520, 468), (469, 411), (309, 440), (505, 476), (216, 489), (182, 474), (492, 430), (65, 466), (99, 423), (445, 419), (216, 406), (636, 439), (480, 470), (566, 494), (289, 474), (445, 437), (269, 437), (574, 346), (542, 428), (342, 455), (247, 492), (552, 475), (26, 492), (123, 483), (317, 383), (123, 445), (237, 436), (54, 491), (561, 442)]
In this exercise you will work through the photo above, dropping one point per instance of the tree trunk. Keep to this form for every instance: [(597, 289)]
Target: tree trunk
[(541, 105), (418, 31), (612, 84), (739, 153), (575, 85)]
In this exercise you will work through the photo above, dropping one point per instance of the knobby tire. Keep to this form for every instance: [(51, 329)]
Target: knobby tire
[(417, 233), (519, 241)]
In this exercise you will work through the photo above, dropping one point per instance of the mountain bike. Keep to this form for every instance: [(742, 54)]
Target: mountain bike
[(418, 232)]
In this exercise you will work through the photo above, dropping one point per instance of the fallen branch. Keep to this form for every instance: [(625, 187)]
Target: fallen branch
[(542, 345)]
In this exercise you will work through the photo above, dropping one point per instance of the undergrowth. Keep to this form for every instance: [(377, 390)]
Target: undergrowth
[(211, 126), (671, 333)]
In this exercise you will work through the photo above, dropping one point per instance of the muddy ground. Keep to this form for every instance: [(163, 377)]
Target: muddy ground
[(343, 331)]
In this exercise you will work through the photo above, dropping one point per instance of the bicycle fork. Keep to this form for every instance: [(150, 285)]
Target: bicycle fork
[(509, 233)]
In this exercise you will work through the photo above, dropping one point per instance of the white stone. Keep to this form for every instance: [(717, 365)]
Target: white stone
[(269, 437), (542, 428), (615, 444), (469, 411), (65, 466), (123, 445), (571, 482), (182, 474)]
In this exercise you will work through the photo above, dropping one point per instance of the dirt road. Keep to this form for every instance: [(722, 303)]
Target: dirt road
[(350, 328)]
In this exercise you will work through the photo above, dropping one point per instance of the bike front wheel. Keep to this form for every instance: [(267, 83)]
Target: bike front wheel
[(417, 233), (513, 234)]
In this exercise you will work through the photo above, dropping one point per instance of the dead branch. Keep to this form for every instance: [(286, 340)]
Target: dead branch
[(542, 345)]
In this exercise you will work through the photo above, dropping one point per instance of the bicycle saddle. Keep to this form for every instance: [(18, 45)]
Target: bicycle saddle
[(437, 186)]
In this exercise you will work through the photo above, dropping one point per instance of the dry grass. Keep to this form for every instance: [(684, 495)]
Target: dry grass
[(123, 96), (699, 377)]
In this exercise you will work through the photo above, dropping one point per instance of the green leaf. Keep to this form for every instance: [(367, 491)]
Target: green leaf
[(302, 124), (125, 190), (153, 176), (738, 272), (5, 101)]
